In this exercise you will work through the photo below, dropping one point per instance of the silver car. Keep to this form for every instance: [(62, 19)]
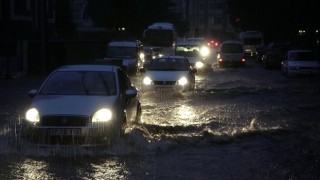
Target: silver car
[(169, 73), (82, 104), (300, 62)]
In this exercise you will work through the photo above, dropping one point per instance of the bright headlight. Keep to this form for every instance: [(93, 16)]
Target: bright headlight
[(32, 115), (182, 81), (103, 115), (199, 65), (141, 55), (204, 51), (147, 81)]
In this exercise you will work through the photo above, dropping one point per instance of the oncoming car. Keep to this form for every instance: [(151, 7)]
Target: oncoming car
[(168, 73), (82, 104), (194, 52)]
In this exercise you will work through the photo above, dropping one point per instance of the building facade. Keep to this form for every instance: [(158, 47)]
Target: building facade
[(206, 18)]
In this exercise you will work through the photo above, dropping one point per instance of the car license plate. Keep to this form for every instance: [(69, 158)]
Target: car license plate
[(64, 132), (164, 88)]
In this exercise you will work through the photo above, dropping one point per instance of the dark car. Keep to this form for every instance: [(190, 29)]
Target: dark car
[(274, 54)]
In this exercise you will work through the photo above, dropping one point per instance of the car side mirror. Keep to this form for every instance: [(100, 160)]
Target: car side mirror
[(142, 70), (32, 93), (131, 92), (193, 70)]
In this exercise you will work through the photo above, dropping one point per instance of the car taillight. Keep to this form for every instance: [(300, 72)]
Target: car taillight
[(220, 60), (243, 60)]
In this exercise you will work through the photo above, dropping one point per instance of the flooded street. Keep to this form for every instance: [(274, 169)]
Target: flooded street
[(239, 123)]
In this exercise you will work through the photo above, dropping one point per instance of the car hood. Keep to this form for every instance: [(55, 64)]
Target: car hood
[(71, 105), (166, 75), (193, 60), (304, 63)]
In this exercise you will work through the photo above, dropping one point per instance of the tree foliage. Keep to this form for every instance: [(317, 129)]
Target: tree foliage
[(64, 25), (134, 15)]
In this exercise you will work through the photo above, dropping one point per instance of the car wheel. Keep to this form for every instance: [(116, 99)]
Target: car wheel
[(116, 132), (138, 113)]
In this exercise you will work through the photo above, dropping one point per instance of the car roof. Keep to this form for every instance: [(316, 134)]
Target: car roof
[(125, 43), (231, 41), (171, 57), (88, 67), (189, 43), (300, 50)]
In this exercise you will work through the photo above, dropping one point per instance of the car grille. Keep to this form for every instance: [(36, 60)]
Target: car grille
[(64, 121), (164, 82)]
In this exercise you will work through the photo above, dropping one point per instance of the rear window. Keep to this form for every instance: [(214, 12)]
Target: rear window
[(301, 56), (231, 48)]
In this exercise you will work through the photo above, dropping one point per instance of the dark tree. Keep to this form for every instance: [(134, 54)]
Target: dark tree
[(64, 25), (134, 15)]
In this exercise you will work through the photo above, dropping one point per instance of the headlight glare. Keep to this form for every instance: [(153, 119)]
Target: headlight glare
[(147, 81), (199, 65), (204, 51), (103, 115), (32, 115), (182, 81)]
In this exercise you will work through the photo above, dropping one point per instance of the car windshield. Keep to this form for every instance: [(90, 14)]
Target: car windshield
[(302, 56), (168, 64), (252, 41), (80, 83), (231, 48), (116, 51), (188, 51)]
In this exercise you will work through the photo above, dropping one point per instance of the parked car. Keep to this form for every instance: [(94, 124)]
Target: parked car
[(231, 53), (168, 73), (83, 104), (129, 54), (300, 62), (275, 52)]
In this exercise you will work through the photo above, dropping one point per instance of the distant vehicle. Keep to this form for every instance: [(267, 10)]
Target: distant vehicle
[(252, 42), (195, 52), (275, 52), (82, 104), (231, 53), (211, 47), (128, 53), (168, 73), (160, 34), (153, 53), (300, 62)]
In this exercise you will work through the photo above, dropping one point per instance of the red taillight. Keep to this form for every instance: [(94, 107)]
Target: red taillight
[(216, 44), (243, 60), (220, 60)]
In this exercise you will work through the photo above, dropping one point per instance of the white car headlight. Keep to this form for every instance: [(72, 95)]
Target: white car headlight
[(204, 51), (147, 81), (182, 81), (199, 65), (32, 115), (103, 115), (141, 55)]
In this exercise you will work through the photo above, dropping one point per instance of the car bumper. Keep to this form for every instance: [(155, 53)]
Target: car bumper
[(68, 135), (304, 72), (164, 88)]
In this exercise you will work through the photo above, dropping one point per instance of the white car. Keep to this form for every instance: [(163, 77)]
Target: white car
[(231, 53), (300, 62), (169, 73), (82, 104), (129, 54), (193, 51)]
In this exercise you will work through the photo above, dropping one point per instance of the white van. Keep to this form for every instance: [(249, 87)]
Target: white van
[(231, 53)]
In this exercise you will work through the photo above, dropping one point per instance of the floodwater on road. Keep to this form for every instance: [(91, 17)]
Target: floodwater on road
[(239, 123)]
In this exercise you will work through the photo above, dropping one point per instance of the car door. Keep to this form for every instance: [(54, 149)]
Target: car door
[(130, 104)]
